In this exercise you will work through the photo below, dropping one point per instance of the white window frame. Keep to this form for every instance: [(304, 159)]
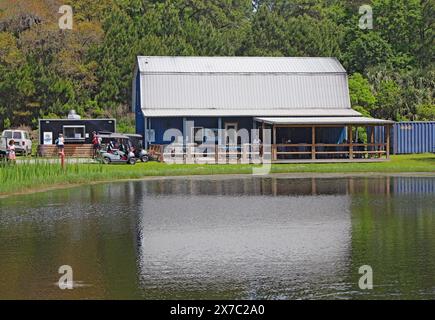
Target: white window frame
[(194, 130), (74, 126), (228, 139)]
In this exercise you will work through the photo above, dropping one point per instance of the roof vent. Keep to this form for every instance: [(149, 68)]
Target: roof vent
[(72, 115)]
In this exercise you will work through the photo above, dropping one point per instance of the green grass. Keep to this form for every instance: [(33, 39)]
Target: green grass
[(25, 177), (32, 176)]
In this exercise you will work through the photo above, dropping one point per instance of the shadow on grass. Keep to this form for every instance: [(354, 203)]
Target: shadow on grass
[(426, 159)]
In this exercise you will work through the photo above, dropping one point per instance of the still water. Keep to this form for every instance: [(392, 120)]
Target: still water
[(274, 237)]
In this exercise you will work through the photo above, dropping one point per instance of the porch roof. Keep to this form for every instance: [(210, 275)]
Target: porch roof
[(323, 120), (250, 113)]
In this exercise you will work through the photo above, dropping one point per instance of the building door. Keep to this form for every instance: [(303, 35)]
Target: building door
[(231, 144), (231, 133)]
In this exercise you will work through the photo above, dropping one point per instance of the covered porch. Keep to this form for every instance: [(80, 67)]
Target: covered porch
[(326, 139)]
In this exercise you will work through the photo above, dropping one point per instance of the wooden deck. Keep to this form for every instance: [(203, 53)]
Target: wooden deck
[(71, 150)]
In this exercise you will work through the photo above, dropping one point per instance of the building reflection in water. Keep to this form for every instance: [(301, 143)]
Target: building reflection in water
[(270, 237), (242, 237)]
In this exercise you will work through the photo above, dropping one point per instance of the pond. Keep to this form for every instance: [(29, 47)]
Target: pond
[(274, 237)]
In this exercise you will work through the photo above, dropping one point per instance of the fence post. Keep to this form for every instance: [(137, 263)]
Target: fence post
[(189, 153), (388, 141), (245, 153), (350, 138)]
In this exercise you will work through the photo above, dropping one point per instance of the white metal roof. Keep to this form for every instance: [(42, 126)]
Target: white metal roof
[(324, 120), (239, 65), (252, 86), (250, 112)]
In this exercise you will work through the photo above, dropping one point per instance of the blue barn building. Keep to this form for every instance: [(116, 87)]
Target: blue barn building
[(304, 101)]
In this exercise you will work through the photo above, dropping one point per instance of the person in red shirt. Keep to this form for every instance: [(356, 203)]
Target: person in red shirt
[(96, 142)]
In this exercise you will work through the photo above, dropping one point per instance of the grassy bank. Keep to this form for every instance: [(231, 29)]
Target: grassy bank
[(40, 175)]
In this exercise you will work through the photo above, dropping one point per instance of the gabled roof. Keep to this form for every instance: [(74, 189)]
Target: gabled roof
[(251, 86)]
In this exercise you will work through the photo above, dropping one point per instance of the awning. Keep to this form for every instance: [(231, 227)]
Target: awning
[(323, 121), (112, 136)]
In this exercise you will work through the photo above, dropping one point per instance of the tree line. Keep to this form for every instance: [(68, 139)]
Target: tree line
[(46, 71)]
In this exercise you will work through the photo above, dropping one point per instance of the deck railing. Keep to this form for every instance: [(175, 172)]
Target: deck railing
[(255, 153), (329, 151)]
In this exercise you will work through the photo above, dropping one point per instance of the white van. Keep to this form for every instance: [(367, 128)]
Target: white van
[(23, 144)]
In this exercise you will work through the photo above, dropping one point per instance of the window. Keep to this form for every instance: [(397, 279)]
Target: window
[(231, 133), (17, 135), (201, 135), (8, 134), (200, 132), (74, 132), (150, 135)]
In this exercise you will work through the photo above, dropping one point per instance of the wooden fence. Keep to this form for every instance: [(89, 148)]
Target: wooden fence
[(250, 153)]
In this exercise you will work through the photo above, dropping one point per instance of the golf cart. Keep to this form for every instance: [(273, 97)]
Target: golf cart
[(136, 141), (116, 148)]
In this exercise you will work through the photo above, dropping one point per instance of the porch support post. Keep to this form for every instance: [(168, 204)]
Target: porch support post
[(262, 131), (350, 137), (388, 140), (145, 133), (262, 141), (274, 149), (372, 141), (220, 143), (313, 143), (184, 131), (219, 133)]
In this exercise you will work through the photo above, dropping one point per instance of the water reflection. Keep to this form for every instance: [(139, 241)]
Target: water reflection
[(230, 242), (273, 237)]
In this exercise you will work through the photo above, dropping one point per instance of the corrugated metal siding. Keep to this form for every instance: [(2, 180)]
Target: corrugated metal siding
[(238, 92), (379, 136), (160, 125), (139, 118), (239, 65), (414, 137), (410, 137)]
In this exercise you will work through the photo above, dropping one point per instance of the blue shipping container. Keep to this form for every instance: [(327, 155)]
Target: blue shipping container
[(409, 137), (413, 137)]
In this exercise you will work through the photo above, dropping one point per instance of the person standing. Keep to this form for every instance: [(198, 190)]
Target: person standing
[(60, 143), (11, 150), (96, 143)]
